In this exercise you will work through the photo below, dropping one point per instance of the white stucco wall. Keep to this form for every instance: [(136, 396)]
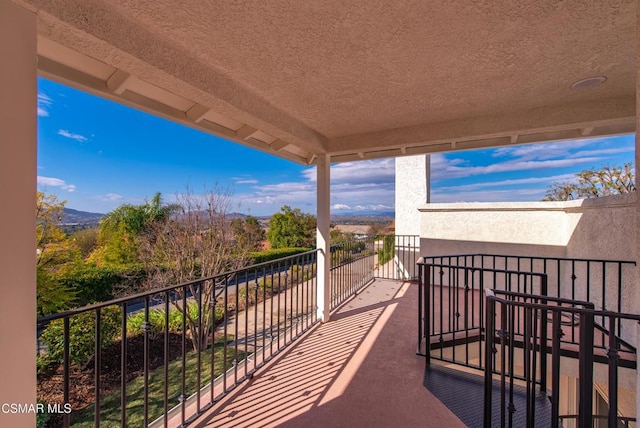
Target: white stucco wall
[(600, 228), (411, 192)]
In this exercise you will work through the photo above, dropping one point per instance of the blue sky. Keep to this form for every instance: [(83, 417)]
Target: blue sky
[(97, 155)]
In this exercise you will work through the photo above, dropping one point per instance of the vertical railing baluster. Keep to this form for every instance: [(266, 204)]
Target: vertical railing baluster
[(201, 338), (421, 310), (613, 357), (512, 347), (585, 362), (97, 366), (247, 309), (123, 368), (555, 369), (166, 362), (212, 308), (619, 296), (488, 354), (543, 332), (506, 338), (527, 362), (225, 299), (145, 328), (66, 373)]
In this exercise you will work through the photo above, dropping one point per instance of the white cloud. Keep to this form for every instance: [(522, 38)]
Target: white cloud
[(355, 186), (338, 207), (542, 151), (111, 197), (44, 102), (56, 182), (77, 137), (456, 168), (366, 171), (504, 183), (246, 182)]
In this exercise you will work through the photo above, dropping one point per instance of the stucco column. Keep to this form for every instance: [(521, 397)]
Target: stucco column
[(18, 122), (323, 236)]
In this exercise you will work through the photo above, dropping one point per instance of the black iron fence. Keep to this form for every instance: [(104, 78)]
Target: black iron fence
[(397, 257), (352, 267), (519, 357), (455, 284), (357, 262), (171, 353), (165, 356), (517, 318)]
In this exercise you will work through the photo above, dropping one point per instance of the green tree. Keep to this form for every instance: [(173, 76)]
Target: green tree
[(120, 228), (248, 232), (196, 244), (52, 252), (593, 183), (291, 228), (85, 240)]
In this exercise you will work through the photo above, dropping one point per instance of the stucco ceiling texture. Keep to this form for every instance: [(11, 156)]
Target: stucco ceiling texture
[(353, 77)]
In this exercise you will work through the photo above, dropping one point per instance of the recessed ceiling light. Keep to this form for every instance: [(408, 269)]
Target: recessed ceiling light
[(589, 82)]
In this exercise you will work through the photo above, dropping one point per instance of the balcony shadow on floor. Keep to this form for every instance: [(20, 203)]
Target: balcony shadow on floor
[(360, 369), (449, 385)]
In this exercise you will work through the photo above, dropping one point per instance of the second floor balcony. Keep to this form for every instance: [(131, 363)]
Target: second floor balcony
[(407, 345)]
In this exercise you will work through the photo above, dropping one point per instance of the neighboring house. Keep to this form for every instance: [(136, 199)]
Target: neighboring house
[(359, 231)]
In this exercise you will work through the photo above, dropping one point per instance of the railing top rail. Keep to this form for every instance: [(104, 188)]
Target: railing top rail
[(631, 262), (491, 295), (584, 303), (490, 270), (169, 288)]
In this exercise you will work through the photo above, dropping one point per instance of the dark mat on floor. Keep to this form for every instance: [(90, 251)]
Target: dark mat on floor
[(463, 394)]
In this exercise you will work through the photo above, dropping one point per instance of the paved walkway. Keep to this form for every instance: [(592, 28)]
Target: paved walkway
[(359, 370)]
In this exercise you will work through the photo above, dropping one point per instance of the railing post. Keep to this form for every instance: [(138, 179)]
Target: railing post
[(585, 406), (543, 335), (555, 370), (488, 355), (613, 356)]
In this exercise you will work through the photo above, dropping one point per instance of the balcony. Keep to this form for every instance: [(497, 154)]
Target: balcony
[(149, 359), (479, 339)]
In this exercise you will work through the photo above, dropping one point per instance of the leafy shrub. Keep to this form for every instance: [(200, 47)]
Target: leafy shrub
[(93, 283), (388, 250), (275, 253), (156, 319), (81, 336)]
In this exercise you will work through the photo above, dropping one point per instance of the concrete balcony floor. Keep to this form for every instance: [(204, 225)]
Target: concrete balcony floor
[(358, 370)]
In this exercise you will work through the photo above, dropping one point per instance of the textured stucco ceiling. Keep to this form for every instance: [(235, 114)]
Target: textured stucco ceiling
[(356, 79)]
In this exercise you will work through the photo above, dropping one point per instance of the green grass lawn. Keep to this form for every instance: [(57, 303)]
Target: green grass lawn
[(110, 404)]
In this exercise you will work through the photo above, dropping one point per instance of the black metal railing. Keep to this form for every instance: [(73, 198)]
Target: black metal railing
[(357, 262), (352, 267), (454, 286), (452, 311), (171, 353), (397, 257), (516, 359)]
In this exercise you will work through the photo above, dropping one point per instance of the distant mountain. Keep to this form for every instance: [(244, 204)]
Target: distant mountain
[(75, 217)]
